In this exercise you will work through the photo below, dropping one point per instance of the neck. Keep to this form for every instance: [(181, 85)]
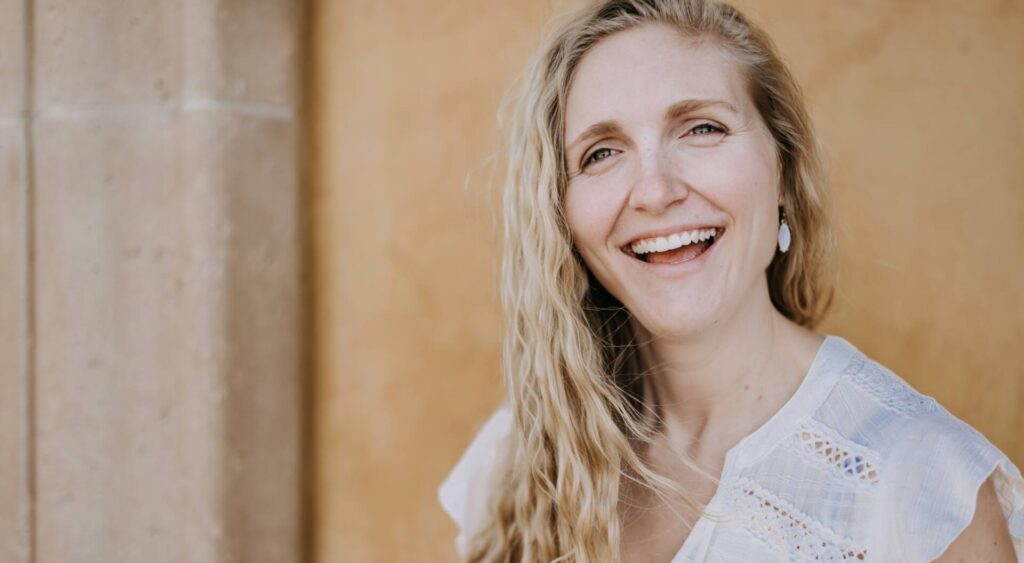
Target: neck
[(714, 386)]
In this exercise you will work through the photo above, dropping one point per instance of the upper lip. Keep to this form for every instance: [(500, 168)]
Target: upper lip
[(670, 230)]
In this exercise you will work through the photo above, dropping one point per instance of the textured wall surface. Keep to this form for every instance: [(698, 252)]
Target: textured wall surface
[(15, 454), (150, 323), (407, 318), (919, 106)]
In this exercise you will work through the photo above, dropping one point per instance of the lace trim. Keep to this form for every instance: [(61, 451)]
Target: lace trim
[(887, 388), (781, 525), (818, 442)]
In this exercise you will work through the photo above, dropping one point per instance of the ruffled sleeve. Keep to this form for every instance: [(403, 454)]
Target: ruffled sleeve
[(465, 492), (938, 468)]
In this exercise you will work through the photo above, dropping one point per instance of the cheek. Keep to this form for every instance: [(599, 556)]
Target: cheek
[(756, 198), (591, 220), (762, 193), (590, 217), (745, 181), (744, 174)]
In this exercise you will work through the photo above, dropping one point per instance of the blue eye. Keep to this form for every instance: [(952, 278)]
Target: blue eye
[(594, 156), (705, 128)]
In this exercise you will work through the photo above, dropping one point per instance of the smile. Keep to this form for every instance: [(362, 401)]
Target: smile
[(674, 248)]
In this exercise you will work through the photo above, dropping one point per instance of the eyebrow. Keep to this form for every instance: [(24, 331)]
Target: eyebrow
[(675, 111)]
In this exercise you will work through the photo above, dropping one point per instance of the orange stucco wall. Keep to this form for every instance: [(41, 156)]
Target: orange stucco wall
[(919, 106)]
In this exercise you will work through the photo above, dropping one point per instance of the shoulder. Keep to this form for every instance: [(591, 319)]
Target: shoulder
[(945, 481), (941, 479), (465, 491), (987, 537)]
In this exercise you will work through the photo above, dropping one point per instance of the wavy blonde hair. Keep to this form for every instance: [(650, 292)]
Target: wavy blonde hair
[(571, 369)]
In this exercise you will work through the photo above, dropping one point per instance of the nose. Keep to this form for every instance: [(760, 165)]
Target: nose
[(657, 186)]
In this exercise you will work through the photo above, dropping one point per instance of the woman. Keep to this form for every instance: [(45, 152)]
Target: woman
[(667, 250)]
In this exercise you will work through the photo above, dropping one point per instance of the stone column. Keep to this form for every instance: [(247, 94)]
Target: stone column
[(15, 292), (155, 401)]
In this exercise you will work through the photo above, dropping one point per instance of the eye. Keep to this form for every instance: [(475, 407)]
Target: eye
[(597, 156), (705, 129)]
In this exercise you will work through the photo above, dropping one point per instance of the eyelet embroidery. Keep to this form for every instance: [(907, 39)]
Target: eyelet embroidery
[(817, 442), (887, 388), (773, 520)]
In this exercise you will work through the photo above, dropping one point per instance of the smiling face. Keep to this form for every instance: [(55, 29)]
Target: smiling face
[(663, 139)]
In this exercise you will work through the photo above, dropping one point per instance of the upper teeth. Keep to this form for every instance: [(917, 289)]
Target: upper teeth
[(671, 242)]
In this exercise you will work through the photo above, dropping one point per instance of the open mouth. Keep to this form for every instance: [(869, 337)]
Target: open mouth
[(676, 248)]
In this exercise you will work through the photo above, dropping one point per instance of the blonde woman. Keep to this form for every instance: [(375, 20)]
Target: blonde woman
[(667, 251)]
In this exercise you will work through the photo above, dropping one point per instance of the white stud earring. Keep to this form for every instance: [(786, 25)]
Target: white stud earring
[(784, 236)]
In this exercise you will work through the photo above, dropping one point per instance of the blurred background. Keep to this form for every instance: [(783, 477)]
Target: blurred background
[(249, 253)]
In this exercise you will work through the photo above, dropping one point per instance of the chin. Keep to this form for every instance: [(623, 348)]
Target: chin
[(676, 323)]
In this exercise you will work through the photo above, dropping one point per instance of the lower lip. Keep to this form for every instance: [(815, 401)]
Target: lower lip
[(680, 268)]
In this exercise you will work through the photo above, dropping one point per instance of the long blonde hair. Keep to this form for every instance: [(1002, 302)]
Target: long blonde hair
[(571, 369)]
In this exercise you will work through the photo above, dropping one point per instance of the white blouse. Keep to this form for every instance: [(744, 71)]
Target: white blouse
[(856, 466)]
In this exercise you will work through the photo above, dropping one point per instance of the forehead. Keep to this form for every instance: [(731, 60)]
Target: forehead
[(636, 74)]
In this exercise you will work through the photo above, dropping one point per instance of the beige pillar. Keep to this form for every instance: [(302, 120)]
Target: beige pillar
[(15, 507), (161, 239)]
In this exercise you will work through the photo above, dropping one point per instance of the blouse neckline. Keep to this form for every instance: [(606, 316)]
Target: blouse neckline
[(832, 356)]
